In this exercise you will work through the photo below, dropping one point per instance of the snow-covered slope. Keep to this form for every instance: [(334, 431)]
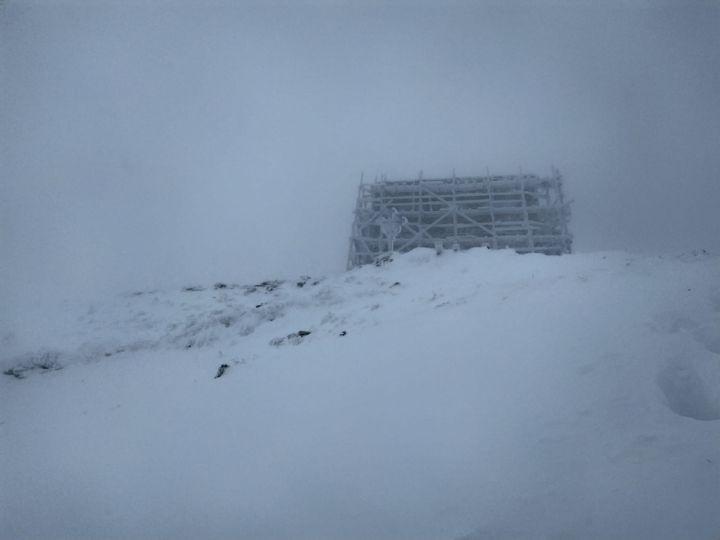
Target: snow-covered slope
[(472, 395)]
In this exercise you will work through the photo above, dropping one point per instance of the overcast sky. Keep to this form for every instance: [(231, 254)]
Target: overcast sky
[(154, 144)]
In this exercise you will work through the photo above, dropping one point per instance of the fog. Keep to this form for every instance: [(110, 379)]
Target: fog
[(158, 144)]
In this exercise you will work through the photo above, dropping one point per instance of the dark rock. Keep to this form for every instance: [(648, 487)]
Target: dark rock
[(221, 370), (45, 361), (383, 260), (267, 286), (295, 338), (15, 372)]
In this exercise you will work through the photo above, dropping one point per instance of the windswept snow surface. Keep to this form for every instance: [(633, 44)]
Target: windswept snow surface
[(473, 395)]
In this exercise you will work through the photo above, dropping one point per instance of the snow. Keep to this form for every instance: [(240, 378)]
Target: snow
[(480, 394)]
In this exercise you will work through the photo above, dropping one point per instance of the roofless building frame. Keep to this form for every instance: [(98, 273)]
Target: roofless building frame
[(524, 212)]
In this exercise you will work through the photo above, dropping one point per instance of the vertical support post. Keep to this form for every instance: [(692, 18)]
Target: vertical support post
[(421, 217), (454, 210), (352, 260), (491, 204), (562, 209), (526, 216)]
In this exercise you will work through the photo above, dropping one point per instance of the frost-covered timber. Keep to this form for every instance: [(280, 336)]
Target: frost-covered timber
[(523, 212)]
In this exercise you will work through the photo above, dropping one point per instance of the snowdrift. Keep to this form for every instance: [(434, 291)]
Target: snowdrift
[(474, 395)]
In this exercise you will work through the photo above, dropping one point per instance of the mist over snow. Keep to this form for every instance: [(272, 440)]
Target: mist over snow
[(148, 144), (150, 150)]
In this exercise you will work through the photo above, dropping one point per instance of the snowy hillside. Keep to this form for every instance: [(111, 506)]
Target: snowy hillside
[(473, 395)]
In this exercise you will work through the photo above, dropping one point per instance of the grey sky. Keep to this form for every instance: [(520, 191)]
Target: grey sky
[(151, 144)]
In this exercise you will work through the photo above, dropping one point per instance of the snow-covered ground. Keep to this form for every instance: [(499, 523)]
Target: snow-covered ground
[(473, 395)]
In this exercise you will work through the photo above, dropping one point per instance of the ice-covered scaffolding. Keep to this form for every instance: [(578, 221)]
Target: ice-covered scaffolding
[(524, 212)]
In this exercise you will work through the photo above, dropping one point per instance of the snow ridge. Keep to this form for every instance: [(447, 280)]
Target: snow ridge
[(480, 394)]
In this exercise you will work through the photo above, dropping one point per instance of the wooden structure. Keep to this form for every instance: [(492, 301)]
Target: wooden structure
[(523, 212)]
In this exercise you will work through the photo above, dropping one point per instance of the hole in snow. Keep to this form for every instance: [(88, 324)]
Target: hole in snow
[(687, 393)]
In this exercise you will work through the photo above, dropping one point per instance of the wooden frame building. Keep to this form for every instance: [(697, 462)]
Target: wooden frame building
[(523, 212)]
